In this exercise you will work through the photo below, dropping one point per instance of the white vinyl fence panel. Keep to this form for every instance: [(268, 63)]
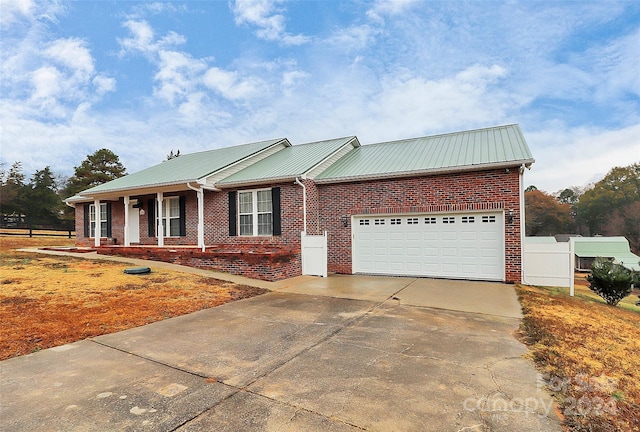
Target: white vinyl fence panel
[(314, 254), (548, 263)]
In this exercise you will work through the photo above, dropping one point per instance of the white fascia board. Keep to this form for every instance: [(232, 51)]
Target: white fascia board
[(213, 178), (325, 163)]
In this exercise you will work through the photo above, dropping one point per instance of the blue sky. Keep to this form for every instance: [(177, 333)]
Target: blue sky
[(145, 78)]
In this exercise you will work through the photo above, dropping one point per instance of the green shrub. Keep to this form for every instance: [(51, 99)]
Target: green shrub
[(610, 281)]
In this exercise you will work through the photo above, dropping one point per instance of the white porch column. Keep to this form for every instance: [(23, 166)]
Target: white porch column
[(200, 195), (127, 236), (98, 224), (159, 228)]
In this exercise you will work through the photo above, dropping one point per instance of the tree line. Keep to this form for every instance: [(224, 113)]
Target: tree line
[(610, 207), (38, 201)]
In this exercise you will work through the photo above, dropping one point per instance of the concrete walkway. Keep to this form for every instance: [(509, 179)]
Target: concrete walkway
[(344, 353)]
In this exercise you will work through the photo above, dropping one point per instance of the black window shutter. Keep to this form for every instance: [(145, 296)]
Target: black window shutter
[(151, 217), (108, 220), (86, 220), (183, 216), (275, 208), (232, 215)]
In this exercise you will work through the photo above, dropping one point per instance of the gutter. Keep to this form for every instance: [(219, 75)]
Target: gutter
[(304, 203), (453, 169)]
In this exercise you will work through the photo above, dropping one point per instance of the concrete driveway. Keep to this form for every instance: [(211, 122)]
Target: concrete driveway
[(344, 353)]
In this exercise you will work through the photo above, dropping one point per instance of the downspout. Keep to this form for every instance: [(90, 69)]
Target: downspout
[(522, 224), (200, 196), (304, 204)]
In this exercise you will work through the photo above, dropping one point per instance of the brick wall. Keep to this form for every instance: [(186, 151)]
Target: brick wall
[(494, 189), (264, 264), (216, 219), (313, 208)]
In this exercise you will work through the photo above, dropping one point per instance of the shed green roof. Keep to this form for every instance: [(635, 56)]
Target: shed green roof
[(607, 247), (186, 168), (288, 163), (470, 150)]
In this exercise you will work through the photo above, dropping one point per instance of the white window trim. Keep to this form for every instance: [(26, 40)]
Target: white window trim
[(166, 219), (92, 221), (254, 213)]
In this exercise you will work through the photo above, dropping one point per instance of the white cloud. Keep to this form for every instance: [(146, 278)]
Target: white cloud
[(231, 86), (383, 8), (618, 63), (17, 11), (143, 39), (178, 75), (14, 10), (267, 16), (71, 53), (103, 84), (354, 37), (46, 83), (293, 78)]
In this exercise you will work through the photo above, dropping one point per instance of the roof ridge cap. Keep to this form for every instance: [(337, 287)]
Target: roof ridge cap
[(442, 134)]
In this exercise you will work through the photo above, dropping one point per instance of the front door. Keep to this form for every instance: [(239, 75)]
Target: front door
[(134, 224)]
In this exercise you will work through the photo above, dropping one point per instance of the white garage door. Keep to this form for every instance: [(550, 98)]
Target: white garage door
[(456, 245)]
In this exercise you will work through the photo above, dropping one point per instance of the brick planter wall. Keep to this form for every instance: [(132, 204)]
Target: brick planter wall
[(259, 263), (485, 190)]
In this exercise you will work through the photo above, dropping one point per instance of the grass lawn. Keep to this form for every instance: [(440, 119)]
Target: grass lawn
[(589, 353), (46, 301)]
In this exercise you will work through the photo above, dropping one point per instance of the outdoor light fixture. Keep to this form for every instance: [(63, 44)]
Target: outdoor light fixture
[(345, 220), (510, 216)]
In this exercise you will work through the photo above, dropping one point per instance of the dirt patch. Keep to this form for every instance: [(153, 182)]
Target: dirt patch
[(48, 301), (589, 354)]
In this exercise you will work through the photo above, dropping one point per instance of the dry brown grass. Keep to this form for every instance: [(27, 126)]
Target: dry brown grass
[(47, 301), (591, 353)]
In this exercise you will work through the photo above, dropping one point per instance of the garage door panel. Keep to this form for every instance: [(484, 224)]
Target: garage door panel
[(430, 235), (490, 253), (469, 269), (365, 236), (381, 266), (469, 252), (450, 269), (380, 251), (468, 235), (413, 252), (469, 246), (379, 236), (431, 252), (449, 235), (449, 252)]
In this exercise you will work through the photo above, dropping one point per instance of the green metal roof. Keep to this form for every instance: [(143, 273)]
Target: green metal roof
[(287, 163), (183, 169), (490, 147), (607, 247)]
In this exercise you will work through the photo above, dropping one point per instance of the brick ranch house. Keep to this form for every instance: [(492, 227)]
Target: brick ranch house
[(448, 206)]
